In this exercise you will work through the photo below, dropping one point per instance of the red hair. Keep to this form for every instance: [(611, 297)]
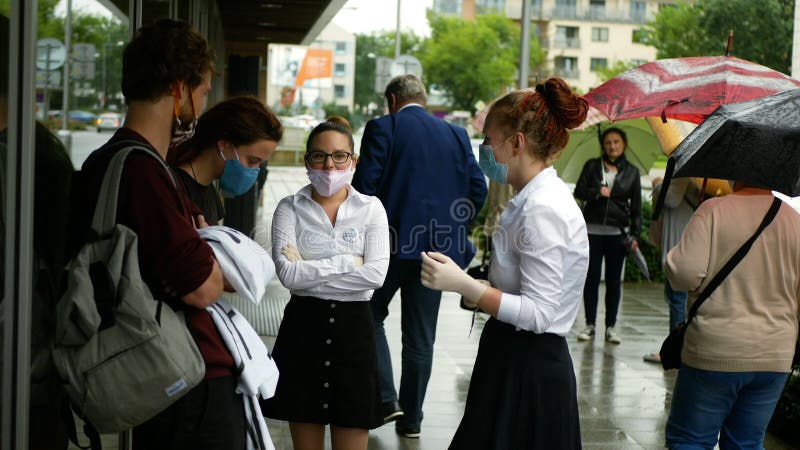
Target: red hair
[(543, 114)]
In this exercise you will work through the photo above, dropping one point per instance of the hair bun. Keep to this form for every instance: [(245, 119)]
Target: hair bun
[(566, 107)]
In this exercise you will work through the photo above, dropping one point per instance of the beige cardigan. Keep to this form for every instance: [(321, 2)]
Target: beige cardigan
[(750, 322)]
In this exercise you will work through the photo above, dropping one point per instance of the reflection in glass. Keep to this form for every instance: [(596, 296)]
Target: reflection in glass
[(4, 70)]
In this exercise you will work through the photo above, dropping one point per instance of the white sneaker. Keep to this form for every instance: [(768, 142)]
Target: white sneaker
[(587, 333), (612, 336)]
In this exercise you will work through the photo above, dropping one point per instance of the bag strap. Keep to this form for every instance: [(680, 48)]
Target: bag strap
[(105, 212), (735, 259)]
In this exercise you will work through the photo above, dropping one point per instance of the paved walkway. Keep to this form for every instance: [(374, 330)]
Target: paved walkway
[(623, 401)]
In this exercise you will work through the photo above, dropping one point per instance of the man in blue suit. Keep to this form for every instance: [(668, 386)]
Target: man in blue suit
[(425, 174)]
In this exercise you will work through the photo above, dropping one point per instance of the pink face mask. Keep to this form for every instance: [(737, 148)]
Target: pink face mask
[(329, 182)]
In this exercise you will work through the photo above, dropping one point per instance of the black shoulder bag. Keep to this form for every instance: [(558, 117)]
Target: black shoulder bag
[(671, 348)]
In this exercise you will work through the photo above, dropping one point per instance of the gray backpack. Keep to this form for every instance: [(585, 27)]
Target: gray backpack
[(123, 355)]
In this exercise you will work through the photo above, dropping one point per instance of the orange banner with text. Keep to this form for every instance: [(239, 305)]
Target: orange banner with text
[(316, 64)]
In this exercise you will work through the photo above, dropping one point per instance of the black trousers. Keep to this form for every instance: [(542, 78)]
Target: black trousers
[(209, 417), (612, 249)]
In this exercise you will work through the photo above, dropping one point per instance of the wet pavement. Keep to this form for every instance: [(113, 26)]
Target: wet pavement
[(623, 401)]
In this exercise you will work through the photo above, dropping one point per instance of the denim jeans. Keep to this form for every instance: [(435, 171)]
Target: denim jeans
[(737, 406), (419, 313), (677, 305)]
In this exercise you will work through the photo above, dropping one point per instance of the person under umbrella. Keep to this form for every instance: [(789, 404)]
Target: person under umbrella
[(737, 353), (610, 188)]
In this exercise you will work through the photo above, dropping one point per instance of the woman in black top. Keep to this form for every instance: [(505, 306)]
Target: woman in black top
[(611, 191), (232, 140)]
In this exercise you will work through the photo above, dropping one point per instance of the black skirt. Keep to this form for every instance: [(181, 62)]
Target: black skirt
[(325, 351), (522, 395)]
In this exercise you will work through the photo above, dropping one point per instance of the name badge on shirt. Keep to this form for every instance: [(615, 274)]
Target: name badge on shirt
[(350, 235)]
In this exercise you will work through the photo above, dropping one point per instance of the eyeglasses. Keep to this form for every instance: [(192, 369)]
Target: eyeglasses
[(318, 157)]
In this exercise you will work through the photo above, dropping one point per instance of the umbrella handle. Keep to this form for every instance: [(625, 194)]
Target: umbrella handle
[(664, 188), (702, 191)]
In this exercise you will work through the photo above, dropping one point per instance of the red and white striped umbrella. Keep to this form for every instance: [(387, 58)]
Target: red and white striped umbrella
[(688, 89)]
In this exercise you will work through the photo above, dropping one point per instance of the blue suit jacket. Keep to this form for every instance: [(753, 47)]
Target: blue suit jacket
[(423, 170)]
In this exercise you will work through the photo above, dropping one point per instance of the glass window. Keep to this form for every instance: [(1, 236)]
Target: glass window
[(598, 63), (5, 365), (639, 36), (599, 34), (490, 6), (638, 62), (638, 10), (338, 90), (566, 67), (339, 70), (566, 9), (447, 6), (341, 48), (567, 37), (597, 9)]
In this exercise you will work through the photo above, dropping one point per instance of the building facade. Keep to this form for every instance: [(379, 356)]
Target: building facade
[(302, 79), (580, 36)]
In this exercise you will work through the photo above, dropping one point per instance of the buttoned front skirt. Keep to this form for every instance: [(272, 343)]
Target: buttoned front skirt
[(325, 351), (522, 394)]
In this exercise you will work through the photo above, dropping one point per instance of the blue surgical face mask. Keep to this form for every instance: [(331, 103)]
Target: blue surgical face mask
[(236, 179), (493, 169)]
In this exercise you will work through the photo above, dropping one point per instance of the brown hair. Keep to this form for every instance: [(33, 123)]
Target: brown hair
[(240, 120), (341, 121), (543, 115), (328, 126), (161, 54)]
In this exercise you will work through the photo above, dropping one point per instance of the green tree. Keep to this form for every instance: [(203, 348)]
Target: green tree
[(607, 73), (474, 60), (368, 48), (762, 30), (106, 34)]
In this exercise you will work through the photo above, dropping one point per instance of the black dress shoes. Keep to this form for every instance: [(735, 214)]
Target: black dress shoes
[(391, 411)]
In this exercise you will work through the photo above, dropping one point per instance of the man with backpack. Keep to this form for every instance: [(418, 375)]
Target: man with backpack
[(167, 69)]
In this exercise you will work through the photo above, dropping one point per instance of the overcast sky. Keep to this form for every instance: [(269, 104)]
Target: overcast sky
[(358, 16)]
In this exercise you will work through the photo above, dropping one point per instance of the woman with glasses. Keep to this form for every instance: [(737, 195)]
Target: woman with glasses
[(231, 141), (330, 245)]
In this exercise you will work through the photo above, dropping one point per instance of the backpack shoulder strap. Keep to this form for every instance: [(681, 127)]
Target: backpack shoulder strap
[(734, 260), (105, 212)]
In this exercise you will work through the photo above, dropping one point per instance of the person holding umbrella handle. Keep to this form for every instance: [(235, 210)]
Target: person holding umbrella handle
[(610, 188)]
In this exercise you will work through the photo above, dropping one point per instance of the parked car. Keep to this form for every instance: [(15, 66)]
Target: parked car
[(109, 121), (82, 117)]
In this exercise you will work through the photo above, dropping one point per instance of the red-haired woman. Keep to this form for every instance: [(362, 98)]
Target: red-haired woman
[(522, 394)]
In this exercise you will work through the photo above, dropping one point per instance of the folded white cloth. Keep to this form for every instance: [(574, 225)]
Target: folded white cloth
[(243, 262), (258, 374)]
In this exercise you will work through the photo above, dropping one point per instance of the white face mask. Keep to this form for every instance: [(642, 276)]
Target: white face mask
[(329, 182)]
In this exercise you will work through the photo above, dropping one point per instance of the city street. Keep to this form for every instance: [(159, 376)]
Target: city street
[(85, 142)]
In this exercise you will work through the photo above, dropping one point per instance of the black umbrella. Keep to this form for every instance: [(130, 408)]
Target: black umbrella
[(756, 142)]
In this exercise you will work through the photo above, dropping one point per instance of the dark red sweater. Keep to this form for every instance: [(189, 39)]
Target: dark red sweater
[(171, 253)]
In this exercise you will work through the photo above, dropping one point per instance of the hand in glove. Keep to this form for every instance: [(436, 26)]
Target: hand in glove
[(441, 273), (291, 253)]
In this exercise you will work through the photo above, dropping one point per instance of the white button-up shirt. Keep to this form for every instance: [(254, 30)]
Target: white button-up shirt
[(540, 257), (328, 268)]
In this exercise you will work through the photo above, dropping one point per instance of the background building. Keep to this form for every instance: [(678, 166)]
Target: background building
[(303, 79), (580, 36)]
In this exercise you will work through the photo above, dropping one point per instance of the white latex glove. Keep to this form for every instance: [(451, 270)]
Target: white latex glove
[(291, 253), (359, 260), (441, 273)]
